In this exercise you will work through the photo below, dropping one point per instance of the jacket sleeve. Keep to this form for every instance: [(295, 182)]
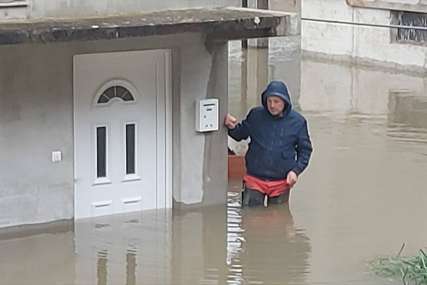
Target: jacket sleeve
[(303, 150), (241, 131)]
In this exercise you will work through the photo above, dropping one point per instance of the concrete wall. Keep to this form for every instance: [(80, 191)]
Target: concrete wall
[(36, 118), (279, 5), (80, 8), (400, 5), (286, 5), (203, 74), (364, 44)]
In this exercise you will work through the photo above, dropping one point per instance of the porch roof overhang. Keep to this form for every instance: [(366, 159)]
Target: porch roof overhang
[(219, 24)]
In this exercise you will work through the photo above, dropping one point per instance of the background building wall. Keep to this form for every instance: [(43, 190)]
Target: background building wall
[(366, 44)]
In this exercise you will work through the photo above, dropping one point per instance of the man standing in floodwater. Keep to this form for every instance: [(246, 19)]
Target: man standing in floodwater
[(279, 148)]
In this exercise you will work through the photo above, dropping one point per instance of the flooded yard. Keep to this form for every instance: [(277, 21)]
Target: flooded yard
[(363, 195)]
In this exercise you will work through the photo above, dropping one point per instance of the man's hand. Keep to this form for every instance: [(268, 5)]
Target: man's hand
[(292, 178), (230, 122)]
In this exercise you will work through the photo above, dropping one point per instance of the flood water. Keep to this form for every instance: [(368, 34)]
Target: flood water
[(363, 195)]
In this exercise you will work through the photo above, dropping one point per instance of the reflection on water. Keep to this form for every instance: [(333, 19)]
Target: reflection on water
[(101, 268), (264, 246), (124, 249), (407, 118), (199, 246)]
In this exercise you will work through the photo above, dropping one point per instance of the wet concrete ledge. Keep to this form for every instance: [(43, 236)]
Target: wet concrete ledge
[(366, 63), (61, 226), (217, 24)]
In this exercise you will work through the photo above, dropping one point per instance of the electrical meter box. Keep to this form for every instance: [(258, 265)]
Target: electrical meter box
[(207, 115)]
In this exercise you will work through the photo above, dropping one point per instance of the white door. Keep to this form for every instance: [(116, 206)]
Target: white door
[(122, 116)]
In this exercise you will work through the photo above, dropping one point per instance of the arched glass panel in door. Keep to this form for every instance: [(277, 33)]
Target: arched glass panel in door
[(116, 91)]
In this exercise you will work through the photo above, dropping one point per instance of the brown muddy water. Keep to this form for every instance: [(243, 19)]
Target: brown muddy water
[(363, 195)]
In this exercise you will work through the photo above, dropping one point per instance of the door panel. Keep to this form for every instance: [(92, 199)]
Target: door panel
[(120, 139)]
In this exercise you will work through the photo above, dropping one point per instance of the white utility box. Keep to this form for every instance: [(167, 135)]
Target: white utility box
[(207, 115)]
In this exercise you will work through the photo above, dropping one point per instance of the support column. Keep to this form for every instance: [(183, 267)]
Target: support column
[(255, 66)]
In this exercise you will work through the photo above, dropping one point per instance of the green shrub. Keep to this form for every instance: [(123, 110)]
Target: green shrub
[(412, 270)]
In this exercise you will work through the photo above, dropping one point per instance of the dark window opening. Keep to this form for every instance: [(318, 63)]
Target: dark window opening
[(130, 149), (410, 19), (101, 152)]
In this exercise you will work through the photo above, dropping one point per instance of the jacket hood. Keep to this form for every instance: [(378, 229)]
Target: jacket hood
[(279, 89)]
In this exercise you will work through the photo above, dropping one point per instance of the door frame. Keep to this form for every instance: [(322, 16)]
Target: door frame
[(163, 200), (168, 116)]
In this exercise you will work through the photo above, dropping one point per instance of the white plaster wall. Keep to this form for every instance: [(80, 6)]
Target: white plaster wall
[(12, 13), (323, 37), (406, 1), (365, 43)]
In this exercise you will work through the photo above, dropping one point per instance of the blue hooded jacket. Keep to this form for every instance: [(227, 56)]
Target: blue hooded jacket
[(278, 144)]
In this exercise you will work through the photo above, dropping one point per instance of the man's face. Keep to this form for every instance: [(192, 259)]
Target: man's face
[(275, 105)]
